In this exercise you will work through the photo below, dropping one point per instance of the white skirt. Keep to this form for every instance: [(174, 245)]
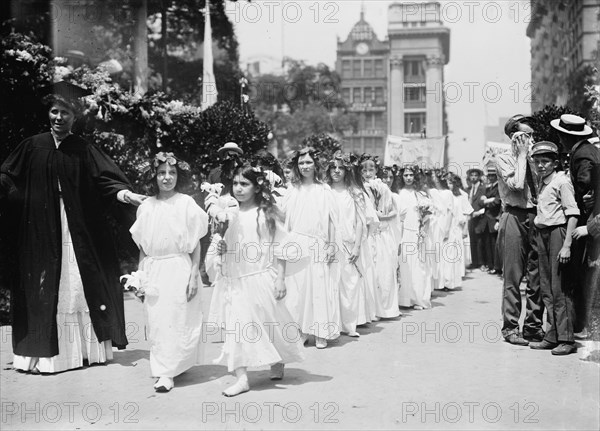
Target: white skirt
[(76, 337), (259, 330)]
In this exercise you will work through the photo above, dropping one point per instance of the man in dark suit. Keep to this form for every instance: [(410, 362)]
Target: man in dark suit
[(477, 221), (574, 137), (491, 202)]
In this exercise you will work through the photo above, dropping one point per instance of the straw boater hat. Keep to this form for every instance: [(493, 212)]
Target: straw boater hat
[(230, 146), (571, 125), (479, 171)]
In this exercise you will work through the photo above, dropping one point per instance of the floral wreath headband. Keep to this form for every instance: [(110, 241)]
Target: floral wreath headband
[(349, 161), (168, 158)]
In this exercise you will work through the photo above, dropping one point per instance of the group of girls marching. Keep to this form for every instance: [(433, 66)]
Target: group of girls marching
[(343, 244)]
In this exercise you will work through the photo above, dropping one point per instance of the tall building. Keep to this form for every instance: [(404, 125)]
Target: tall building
[(419, 49), (362, 63), (565, 36)]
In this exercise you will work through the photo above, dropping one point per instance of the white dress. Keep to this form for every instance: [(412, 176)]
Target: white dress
[(259, 330), (76, 336), (415, 281), (386, 258), (168, 231), (439, 228), (367, 258), (454, 252), (349, 277), (312, 300)]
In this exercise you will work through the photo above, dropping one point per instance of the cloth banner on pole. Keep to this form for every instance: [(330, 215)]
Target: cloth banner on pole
[(209, 83), (426, 152), (493, 149)]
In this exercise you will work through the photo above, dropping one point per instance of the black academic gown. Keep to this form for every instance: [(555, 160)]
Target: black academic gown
[(89, 182)]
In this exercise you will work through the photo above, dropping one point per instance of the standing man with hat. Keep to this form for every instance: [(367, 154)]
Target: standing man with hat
[(556, 220), (477, 221), (230, 154), (517, 190), (574, 136)]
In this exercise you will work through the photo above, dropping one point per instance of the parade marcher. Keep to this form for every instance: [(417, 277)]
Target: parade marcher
[(517, 192), (254, 288), (574, 137), (436, 240), (347, 269), (167, 231), (477, 222), (556, 219), (455, 255), (67, 303), (414, 213), (491, 202), (386, 258), (310, 218)]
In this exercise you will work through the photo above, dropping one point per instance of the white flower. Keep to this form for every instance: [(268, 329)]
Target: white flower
[(24, 55)]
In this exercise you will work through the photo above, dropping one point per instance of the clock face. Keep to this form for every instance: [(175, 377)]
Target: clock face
[(362, 48)]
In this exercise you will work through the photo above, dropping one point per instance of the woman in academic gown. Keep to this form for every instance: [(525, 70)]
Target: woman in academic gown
[(66, 302)]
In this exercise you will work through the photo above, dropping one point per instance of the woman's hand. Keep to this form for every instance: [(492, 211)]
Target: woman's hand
[(280, 290), (354, 255), (564, 255), (221, 247), (580, 232), (192, 288), (134, 198)]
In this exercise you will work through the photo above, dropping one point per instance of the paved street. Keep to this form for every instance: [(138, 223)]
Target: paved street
[(444, 368)]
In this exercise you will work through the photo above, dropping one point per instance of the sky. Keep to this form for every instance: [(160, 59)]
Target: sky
[(487, 78)]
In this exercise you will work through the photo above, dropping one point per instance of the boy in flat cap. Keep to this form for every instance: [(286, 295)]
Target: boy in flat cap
[(556, 219)]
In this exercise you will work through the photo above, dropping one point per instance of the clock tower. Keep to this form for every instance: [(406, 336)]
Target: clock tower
[(362, 63)]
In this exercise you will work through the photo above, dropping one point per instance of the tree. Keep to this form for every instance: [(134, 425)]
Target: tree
[(543, 130)]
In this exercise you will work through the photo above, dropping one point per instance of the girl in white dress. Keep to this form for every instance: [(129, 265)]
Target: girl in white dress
[(167, 231), (347, 270), (386, 292), (455, 252), (415, 283), (259, 329), (436, 240), (310, 220)]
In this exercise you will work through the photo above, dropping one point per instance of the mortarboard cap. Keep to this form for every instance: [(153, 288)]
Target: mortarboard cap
[(66, 90)]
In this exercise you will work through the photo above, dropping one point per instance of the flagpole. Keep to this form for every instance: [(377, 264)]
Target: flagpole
[(209, 83)]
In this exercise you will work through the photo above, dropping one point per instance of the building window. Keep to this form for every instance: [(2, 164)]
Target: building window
[(357, 66), (379, 95), (346, 96), (413, 69), (379, 68), (346, 69), (356, 96), (378, 121), (414, 94), (414, 122), (369, 68), (368, 94)]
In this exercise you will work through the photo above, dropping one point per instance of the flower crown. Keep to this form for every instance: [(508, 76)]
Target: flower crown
[(163, 157), (349, 161)]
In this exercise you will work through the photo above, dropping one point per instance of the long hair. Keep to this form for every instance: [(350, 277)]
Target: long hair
[(457, 184), (391, 170), (418, 182), (349, 164), (264, 199), (368, 157), (266, 160), (184, 175), (314, 154)]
